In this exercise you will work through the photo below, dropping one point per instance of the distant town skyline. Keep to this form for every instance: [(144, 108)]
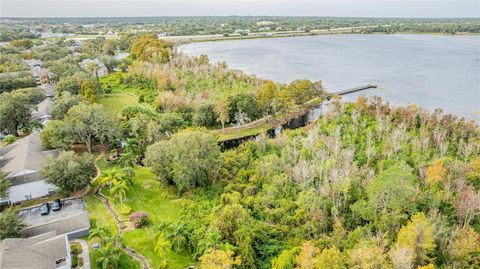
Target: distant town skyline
[(131, 8)]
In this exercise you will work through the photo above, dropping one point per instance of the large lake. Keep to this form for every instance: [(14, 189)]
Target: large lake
[(432, 71)]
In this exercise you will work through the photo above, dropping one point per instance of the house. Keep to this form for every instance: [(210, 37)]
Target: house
[(22, 161), (48, 89), (242, 31), (43, 113), (45, 251), (45, 243), (100, 66)]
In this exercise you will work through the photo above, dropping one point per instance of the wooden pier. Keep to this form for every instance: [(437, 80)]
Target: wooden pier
[(352, 90)]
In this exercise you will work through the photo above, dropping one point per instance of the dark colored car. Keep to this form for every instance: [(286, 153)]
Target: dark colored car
[(45, 209), (56, 205)]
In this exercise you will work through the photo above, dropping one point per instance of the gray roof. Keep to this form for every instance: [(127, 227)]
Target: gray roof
[(23, 159), (48, 89), (39, 252), (63, 225), (44, 110)]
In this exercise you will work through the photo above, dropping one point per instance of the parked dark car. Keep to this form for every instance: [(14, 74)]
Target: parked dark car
[(45, 209), (56, 205)]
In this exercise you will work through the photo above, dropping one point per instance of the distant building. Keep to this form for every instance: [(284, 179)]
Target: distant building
[(101, 68), (242, 31), (43, 113), (22, 161), (162, 34)]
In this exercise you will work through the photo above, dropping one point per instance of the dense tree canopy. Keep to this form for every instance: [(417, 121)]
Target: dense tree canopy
[(63, 103), (361, 188), (69, 172), (15, 110), (10, 224), (150, 48), (188, 160), (90, 123)]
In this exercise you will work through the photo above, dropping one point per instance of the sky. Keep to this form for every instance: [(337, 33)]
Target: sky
[(339, 8)]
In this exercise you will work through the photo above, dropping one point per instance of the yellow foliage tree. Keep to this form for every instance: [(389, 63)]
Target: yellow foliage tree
[(89, 91), (266, 96), (150, 48), (219, 259), (474, 171), (307, 258), (366, 256), (465, 248), (331, 258), (435, 173), (429, 266), (417, 235)]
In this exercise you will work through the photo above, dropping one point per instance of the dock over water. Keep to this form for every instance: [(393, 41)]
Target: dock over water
[(352, 90)]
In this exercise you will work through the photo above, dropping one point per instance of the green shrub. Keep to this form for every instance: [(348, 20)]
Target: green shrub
[(80, 261), (9, 139), (125, 210), (74, 261)]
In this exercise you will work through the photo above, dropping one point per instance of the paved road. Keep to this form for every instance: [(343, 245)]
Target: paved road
[(85, 253)]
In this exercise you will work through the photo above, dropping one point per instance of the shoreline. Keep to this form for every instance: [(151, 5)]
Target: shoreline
[(183, 40)]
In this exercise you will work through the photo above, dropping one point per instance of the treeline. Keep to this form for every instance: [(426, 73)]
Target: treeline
[(205, 94), (177, 26)]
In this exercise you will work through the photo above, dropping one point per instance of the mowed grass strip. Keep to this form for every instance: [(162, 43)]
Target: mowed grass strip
[(116, 102)]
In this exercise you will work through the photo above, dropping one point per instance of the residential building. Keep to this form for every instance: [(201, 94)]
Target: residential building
[(22, 161), (101, 68), (46, 239), (45, 251)]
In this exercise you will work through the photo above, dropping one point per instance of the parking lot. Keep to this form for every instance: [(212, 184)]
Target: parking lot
[(31, 216)]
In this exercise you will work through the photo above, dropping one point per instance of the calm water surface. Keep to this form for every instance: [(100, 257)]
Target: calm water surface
[(428, 70)]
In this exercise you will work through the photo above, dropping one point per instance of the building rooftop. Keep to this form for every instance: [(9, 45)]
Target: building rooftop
[(48, 89), (45, 251), (23, 159), (44, 110)]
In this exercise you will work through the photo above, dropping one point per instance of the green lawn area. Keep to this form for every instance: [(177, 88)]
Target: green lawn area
[(245, 132), (115, 102), (161, 204), (126, 262)]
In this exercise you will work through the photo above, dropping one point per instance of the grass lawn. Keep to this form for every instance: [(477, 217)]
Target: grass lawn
[(161, 204), (245, 132), (98, 213), (126, 262), (115, 102)]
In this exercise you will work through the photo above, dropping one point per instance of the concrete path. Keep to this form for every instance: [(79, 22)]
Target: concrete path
[(85, 253)]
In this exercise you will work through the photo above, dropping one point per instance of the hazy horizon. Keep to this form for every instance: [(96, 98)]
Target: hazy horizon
[(169, 8)]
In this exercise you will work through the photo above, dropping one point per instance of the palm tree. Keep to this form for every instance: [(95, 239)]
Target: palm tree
[(103, 233), (92, 67), (175, 234), (108, 257), (110, 177), (126, 159), (119, 189), (161, 247)]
